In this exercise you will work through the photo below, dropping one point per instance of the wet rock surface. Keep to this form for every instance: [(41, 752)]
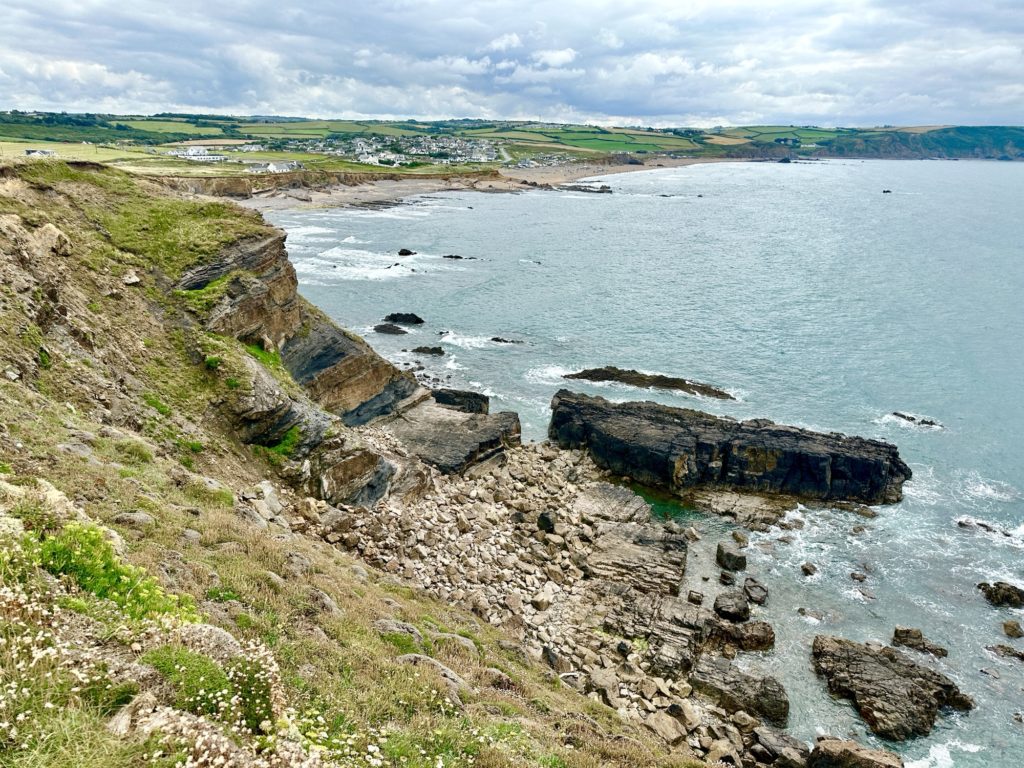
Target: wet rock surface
[(1002, 594), (897, 697), (677, 449), (462, 400), (913, 638), (650, 381)]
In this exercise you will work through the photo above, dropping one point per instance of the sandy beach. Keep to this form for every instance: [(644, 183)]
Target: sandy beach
[(511, 180)]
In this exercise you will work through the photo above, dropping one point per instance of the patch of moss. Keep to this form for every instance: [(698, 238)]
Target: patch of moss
[(286, 447), (156, 404)]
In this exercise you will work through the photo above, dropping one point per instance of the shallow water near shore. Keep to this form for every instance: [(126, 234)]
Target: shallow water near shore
[(816, 300)]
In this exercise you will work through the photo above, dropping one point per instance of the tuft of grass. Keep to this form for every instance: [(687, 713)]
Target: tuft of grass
[(212, 362), (133, 452), (200, 684), (82, 553), (402, 642), (271, 359), (287, 445), (156, 404)]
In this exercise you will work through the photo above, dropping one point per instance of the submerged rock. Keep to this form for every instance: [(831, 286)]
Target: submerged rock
[(435, 351), (921, 421), (913, 638), (406, 252), (678, 448), (500, 340), (650, 381), (897, 697), (390, 329)]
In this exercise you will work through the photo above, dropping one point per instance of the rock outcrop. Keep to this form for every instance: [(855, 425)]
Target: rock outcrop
[(738, 690), (840, 753), (678, 449), (453, 440), (342, 373), (462, 400), (913, 638), (650, 381), (1001, 594), (897, 697)]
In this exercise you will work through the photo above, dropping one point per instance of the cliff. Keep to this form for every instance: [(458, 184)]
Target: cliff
[(175, 508)]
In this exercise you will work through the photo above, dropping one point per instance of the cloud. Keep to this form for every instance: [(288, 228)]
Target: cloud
[(844, 62), (505, 42), (554, 58)]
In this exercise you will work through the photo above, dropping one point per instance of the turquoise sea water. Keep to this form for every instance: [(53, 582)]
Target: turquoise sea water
[(814, 298)]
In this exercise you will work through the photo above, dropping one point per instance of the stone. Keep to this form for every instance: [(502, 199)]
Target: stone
[(912, 638), (755, 591), (405, 318), (432, 351), (135, 519), (722, 751), (1006, 651), (666, 727), (131, 278), (687, 713), (1011, 628), (730, 557), (555, 660), (462, 400), (735, 689), (676, 449), (455, 683), (809, 569), (695, 597), (840, 753), (1002, 594), (393, 627), (732, 606), (650, 381), (389, 329), (406, 252), (451, 440), (897, 697), (321, 602), (783, 750)]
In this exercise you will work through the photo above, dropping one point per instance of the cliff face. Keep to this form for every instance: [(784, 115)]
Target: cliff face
[(678, 449)]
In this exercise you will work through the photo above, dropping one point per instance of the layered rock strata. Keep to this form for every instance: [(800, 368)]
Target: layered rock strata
[(680, 449)]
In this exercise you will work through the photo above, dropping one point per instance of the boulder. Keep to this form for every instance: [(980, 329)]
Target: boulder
[(677, 449), (732, 606), (735, 689), (840, 753), (755, 591), (912, 638), (389, 329), (666, 726), (650, 381), (406, 252), (434, 351), (451, 440), (500, 340), (1006, 651), (1001, 594), (404, 318), (462, 400), (782, 749), (1011, 628), (730, 557), (897, 697)]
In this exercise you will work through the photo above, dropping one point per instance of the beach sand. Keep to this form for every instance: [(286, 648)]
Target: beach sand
[(383, 192)]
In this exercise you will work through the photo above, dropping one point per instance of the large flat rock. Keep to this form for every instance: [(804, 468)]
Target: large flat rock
[(453, 440), (897, 697), (681, 449)]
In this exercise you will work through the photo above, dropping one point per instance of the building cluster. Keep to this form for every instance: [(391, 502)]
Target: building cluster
[(399, 150), (201, 154)]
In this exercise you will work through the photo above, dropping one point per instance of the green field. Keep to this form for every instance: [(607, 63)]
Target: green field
[(170, 126)]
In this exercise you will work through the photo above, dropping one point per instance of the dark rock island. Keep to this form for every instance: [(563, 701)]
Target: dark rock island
[(679, 449)]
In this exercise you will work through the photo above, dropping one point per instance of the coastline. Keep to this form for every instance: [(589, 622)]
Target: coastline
[(392, 191)]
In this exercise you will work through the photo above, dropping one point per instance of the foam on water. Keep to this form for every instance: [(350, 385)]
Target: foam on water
[(941, 756)]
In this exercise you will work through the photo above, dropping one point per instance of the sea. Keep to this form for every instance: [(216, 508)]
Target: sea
[(825, 294)]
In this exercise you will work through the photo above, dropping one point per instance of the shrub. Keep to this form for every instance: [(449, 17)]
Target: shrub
[(82, 553), (212, 362)]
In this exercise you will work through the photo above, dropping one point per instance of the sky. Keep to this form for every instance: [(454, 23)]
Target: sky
[(657, 62)]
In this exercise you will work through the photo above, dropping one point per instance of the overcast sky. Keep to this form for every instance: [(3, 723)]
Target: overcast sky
[(656, 62)]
